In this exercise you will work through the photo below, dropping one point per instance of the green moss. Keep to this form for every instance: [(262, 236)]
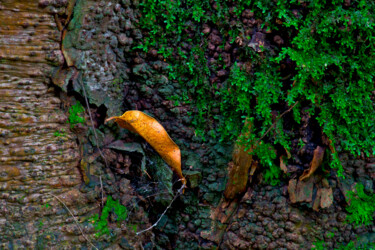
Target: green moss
[(357, 245), (101, 222), (117, 81), (362, 206), (60, 133), (331, 45), (319, 245), (76, 114)]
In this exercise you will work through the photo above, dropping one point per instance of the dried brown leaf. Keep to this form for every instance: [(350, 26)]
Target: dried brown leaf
[(283, 165), (314, 164)]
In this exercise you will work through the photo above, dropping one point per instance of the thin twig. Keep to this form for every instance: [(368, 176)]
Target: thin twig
[(97, 142), (179, 192), (75, 219), (93, 127), (136, 202), (148, 196), (101, 188), (273, 124)]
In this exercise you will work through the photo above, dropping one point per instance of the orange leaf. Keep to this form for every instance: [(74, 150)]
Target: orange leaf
[(154, 133)]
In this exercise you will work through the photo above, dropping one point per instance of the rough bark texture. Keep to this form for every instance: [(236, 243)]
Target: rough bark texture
[(39, 156), (94, 61), (34, 163)]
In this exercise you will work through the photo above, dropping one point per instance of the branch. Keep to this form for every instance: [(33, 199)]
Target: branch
[(97, 142), (273, 124), (179, 192)]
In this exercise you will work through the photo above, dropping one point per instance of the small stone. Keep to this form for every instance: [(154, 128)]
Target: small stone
[(294, 237), (193, 177), (292, 246), (281, 242), (211, 46), (222, 73), (277, 217), (262, 241), (197, 222), (44, 3), (123, 40), (326, 197), (247, 13), (278, 40), (227, 46), (206, 29), (278, 233), (258, 41), (294, 216), (215, 39), (292, 190), (289, 226)]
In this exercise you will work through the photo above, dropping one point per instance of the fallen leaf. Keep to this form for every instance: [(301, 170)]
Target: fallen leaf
[(283, 165), (288, 155), (254, 167), (314, 164), (238, 171), (154, 133), (331, 146)]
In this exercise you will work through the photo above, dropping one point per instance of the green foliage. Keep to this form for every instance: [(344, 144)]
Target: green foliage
[(301, 144), (359, 246), (362, 206), (40, 224), (319, 245), (331, 235), (101, 223), (60, 133), (117, 81), (349, 246), (236, 107), (133, 227), (332, 46), (75, 114), (267, 154), (334, 52)]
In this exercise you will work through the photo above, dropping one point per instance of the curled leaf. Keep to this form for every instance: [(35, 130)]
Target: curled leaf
[(238, 170), (283, 165), (314, 164), (154, 133)]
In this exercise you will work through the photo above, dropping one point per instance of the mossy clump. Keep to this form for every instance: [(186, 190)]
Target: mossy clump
[(101, 223), (362, 206), (76, 113), (325, 62)]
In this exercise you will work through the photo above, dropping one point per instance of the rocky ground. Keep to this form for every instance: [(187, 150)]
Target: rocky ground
[(52, 56)]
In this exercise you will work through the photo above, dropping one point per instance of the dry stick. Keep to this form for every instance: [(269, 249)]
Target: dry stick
[(179, 192), (101, 188), (148, 196), (136, 203), (273, 124), (76, 221), (97, 140)]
